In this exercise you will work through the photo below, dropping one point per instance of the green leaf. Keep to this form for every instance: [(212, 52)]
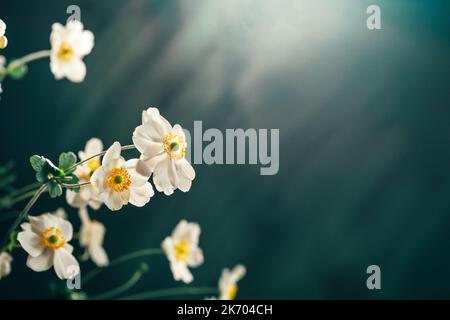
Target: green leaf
[(17, 70), (54, 189), (37, 162), (41, 176), (12, 241), (66, 160)]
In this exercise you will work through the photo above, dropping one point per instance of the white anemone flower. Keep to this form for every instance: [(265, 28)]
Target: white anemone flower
[(69, 44), (163, 149), (92, 234), (120, 182), (182, 250), (3, 39), (5, 264), (87, 195), (228, 282), (46, 239)]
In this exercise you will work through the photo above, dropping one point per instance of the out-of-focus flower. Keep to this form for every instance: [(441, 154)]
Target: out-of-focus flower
[(119, 182), (5, 264), (163, 149), (92, 234), (69, 44), (3, 39), (61, 213), (182, 250), (228, 282), (46, 239), (87, 195)]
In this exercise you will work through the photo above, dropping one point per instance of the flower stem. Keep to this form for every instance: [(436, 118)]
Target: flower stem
[(129, 256), (31, 57), (122, 288), (24, 213), (73, 186), (33, 186), (171, 292), (127, 147)]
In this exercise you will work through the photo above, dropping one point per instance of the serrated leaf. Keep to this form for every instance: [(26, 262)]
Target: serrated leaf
[(66, 160), (37, 162), (54, 189)]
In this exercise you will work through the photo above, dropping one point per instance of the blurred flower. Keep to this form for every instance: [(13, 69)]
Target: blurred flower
[(3, 39), (92, 234), (87, 195), (228, 282), (163, 149), (5, 264), (119, 182), (69, 45), (60, 213), (46, 239), (182, 250)]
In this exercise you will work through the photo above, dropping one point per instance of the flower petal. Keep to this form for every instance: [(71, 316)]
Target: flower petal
[(31, 243), (75, 70), (156, 126), (42, 262), (65, 264), (138, 171), (140, 196), (111, 154), (145, 144)]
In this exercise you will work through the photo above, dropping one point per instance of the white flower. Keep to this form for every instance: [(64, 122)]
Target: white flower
[(92, 234), (163, 149), (182, 250), (46, 239), (228, 282), (119, 182), (69, 45), (3, 39), (87, 195), (61, 213), (5, 264)]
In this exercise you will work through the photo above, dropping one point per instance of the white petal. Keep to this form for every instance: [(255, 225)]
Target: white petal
[(140, 196), (84, 43), (185, 168), (93, 146), (145, 144), (75, 70), (65, 264), (111, 154), (42, 262), (65, 227), (31, 243), (156, 126), (113, 200), (195, 257), (181, 272), (98, 256), (165, 177), (98, 179), (188, 231), (153, 162)]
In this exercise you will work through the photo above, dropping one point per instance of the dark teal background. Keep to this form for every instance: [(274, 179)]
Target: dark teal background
[(364, 137)]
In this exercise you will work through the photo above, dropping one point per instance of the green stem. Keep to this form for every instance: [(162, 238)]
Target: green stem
[(31, 57), (127, 147), (24, 213), (133, 255), (73, 186), (171, 292), (33, 186), (122, 288)]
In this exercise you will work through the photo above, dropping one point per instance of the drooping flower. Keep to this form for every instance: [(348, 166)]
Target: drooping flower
[(46, 239), (5, 264), (87, 195), (163, 149), (69, 44), (182, 250), (228, 282), (3, 39), (118, 181), (92, 234)]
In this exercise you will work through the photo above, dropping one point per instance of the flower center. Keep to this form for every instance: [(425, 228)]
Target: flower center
[(90, 167), (119, 179), (232, 291), (53, 238), (182, 251), (65, 52), (174, 145)]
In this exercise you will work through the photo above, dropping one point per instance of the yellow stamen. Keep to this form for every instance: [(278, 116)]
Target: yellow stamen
[(232, 291), (90, 168), (53, 238), (174, 145), (182, 251), (119, 180), (65, 52)]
